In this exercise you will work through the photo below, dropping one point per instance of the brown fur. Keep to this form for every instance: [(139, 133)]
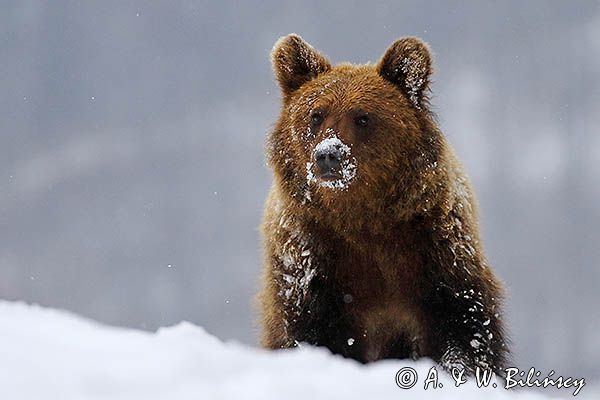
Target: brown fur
[(393, 261)]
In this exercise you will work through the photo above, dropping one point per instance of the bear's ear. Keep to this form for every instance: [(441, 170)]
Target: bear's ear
[(407, 64), (296, 62)]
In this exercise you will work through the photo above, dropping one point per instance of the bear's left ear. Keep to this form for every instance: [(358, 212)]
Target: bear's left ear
[(296, 62), (407, 64)]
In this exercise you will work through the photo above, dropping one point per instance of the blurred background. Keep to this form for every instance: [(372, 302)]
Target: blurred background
[(132, 172)]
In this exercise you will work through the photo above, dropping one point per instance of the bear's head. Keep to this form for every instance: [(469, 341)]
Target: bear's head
[(355, 135)]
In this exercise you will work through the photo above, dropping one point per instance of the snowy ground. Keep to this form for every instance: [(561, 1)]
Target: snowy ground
[(51, 354)]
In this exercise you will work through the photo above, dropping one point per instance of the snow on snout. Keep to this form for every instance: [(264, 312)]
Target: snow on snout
[(347, 169)]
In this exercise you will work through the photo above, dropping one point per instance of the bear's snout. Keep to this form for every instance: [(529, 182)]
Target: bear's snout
[(332, 165), (328, 160)]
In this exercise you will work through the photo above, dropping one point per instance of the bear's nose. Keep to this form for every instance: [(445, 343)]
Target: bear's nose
[(328, 160)]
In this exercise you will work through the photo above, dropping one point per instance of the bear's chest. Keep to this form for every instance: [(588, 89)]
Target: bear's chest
[(382, 291)]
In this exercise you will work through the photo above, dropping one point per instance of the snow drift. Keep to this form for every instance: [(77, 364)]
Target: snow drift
[(51, 354)]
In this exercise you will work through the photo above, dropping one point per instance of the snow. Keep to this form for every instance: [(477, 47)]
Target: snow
[(414, 70), (299, 270), (52, 354)]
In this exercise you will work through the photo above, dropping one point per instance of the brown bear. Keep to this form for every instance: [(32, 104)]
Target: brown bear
[(370, 228)]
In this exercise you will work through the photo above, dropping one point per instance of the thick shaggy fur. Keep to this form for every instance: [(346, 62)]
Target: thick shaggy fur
[(390, 266)]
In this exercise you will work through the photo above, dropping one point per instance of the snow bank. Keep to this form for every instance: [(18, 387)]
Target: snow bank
[(51, 354)]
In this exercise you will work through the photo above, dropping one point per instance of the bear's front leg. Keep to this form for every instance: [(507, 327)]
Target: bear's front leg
[(298, 302), (464, 305), (469, 334)]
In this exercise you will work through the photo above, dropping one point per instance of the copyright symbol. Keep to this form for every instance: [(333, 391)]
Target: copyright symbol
[(406, 378)]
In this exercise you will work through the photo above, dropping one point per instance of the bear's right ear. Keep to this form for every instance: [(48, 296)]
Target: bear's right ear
[(407, 64), (296, 62)]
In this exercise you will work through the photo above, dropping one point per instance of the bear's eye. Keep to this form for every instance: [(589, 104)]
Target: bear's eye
[(362, 120), (316, 118)]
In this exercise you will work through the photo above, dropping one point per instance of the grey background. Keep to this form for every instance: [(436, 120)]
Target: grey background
[(132, 173)]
